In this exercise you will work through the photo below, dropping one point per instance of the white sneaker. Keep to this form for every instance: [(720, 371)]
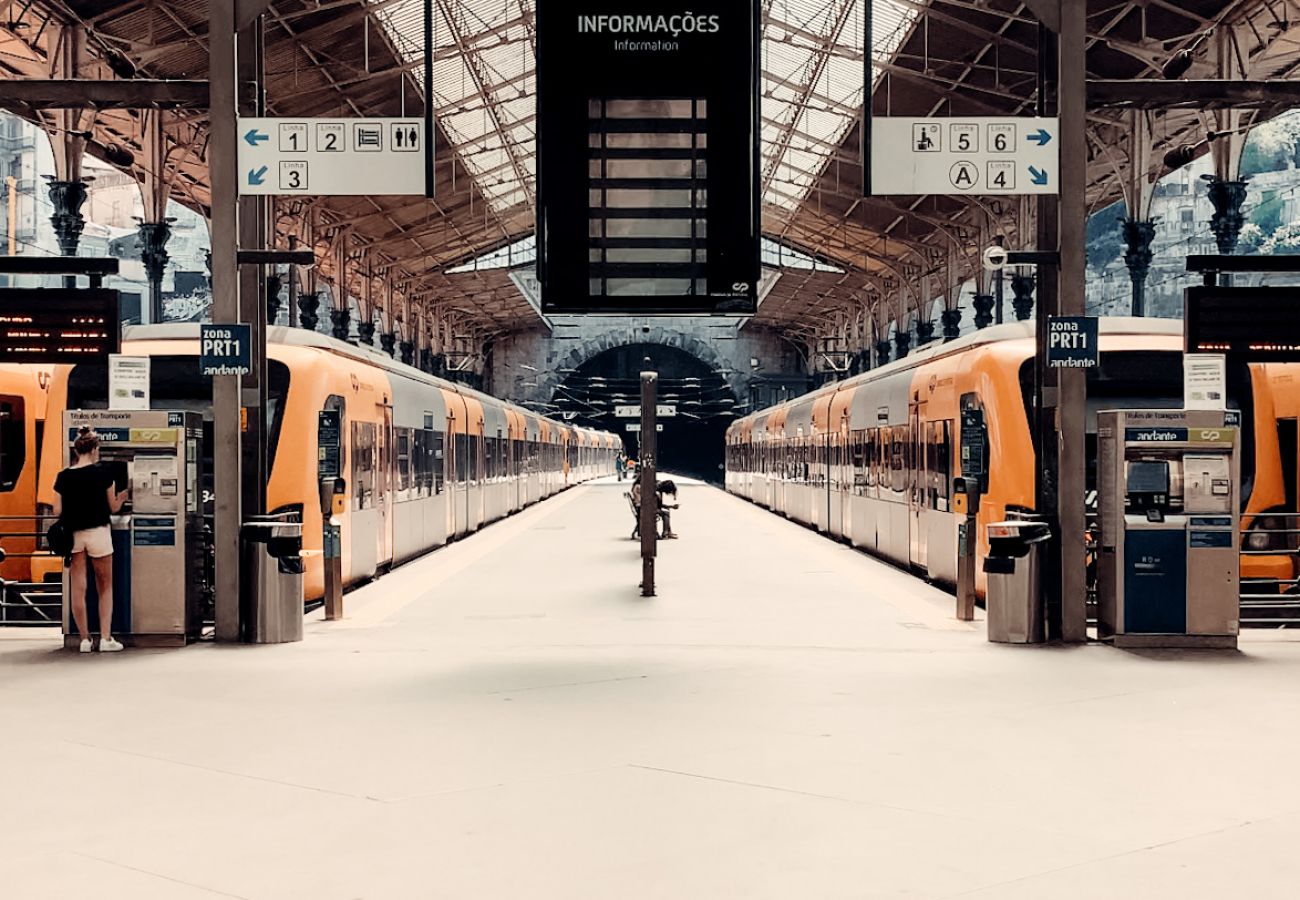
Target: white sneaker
[(109, 645), (86, 646)]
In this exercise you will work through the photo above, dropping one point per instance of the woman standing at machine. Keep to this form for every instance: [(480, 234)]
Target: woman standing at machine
[(88, 496)]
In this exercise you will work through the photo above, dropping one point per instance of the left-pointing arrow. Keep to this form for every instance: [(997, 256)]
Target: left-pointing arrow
[(257, 176), (255, 137)]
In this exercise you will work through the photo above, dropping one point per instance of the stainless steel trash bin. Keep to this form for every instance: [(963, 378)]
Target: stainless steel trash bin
[(1013, 597), (271, 573)]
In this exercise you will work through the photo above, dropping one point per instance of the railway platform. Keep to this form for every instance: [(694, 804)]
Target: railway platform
[(508, 718)]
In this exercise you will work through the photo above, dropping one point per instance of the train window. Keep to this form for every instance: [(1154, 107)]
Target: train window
[(363, 465), (437, 441), (402, 438), (13, 440), (898, 465), (939, 462), (460, 448)]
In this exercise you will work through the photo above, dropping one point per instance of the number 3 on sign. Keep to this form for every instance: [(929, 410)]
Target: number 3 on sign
[(293, 176)]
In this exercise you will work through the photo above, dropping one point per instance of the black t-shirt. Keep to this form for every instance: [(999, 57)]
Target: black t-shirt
[(84, 490)]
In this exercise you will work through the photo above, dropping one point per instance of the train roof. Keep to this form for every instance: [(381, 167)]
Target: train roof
[(997, 334), (299, 337)]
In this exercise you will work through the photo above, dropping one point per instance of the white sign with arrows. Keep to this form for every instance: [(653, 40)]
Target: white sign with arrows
[(970, 155), (331, 156)]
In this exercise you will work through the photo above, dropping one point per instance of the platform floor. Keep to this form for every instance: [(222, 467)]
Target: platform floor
[(508, 718)]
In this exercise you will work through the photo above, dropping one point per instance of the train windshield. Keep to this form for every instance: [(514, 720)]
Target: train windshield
[(175, 383)]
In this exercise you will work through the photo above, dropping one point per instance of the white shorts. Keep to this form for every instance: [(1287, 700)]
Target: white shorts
[(94, 542)]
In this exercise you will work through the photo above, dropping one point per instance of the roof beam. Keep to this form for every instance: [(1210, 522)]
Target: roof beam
[(141, 93)]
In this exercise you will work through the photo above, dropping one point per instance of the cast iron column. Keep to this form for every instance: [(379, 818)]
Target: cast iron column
[(983, 310), (407, 349), (273, 285), (153, 253), (366, 332), (388, 342), (1138, 235), (1227, 198), (924, 332), (1022, 300), (951, 321), (902, 341), (341, 323), (67, 198), (882, 352), (308, 310)]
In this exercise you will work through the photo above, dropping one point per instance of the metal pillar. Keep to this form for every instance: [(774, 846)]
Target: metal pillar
[(388, 342), (983, 310), (646, 465), (366, 332), (224, 175), (254, 215), (924, 332), (882, 351)]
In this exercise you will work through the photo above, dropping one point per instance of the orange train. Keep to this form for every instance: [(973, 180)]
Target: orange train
[(425, 460), (871, 460)]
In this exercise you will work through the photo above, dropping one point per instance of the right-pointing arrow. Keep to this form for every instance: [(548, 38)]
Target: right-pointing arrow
[(1037, 177), (1039, 137)]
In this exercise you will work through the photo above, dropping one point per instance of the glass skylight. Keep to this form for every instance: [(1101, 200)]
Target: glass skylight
[(485, 85)]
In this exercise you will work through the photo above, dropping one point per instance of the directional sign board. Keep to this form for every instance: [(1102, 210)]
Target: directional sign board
[(331, 156), (1072, 342), (970, 155), (636, 426), (662, 410), (225, 349)]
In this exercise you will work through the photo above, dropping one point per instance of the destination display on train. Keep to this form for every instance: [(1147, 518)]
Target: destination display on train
[(647, 156), (58, 325)]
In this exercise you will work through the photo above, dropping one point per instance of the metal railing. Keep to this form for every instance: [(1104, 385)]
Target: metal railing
[(29, 603), (1271, 602)]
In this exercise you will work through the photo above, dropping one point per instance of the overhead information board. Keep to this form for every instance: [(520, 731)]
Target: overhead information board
[(969, 155), (1259, 323), (647, 156), (58, 325), (331, 156)]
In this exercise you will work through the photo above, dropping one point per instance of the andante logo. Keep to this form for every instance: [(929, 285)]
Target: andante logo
[(676, 25)]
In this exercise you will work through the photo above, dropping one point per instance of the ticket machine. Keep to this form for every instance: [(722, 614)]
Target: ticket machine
[(1169, 501), (157, 538)]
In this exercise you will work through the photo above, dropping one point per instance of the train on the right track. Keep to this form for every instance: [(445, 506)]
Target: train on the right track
[(871, 460)]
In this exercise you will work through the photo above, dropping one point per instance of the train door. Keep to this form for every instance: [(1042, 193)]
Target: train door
[(917, 480), (384, 486)]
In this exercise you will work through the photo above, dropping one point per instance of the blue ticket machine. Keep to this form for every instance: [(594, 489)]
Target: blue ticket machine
[(1169, 501)]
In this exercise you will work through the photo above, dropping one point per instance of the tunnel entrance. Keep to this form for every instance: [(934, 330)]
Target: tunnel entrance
[(690, 442)]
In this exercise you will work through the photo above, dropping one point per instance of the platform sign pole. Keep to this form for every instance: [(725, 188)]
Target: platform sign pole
[(646, 469), (223, 169)]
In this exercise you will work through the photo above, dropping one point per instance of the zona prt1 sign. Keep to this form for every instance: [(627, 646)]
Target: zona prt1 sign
[(225, 349), (1072, 342)]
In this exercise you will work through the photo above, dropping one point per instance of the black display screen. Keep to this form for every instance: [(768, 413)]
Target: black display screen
[(58, 325), (647, 156), (1258, 322), (1148, 477)]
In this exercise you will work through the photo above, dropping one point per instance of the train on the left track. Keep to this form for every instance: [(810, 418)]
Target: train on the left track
[(425, 460)]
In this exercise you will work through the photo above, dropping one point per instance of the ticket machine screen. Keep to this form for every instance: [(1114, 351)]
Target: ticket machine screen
[(1148, 477)]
